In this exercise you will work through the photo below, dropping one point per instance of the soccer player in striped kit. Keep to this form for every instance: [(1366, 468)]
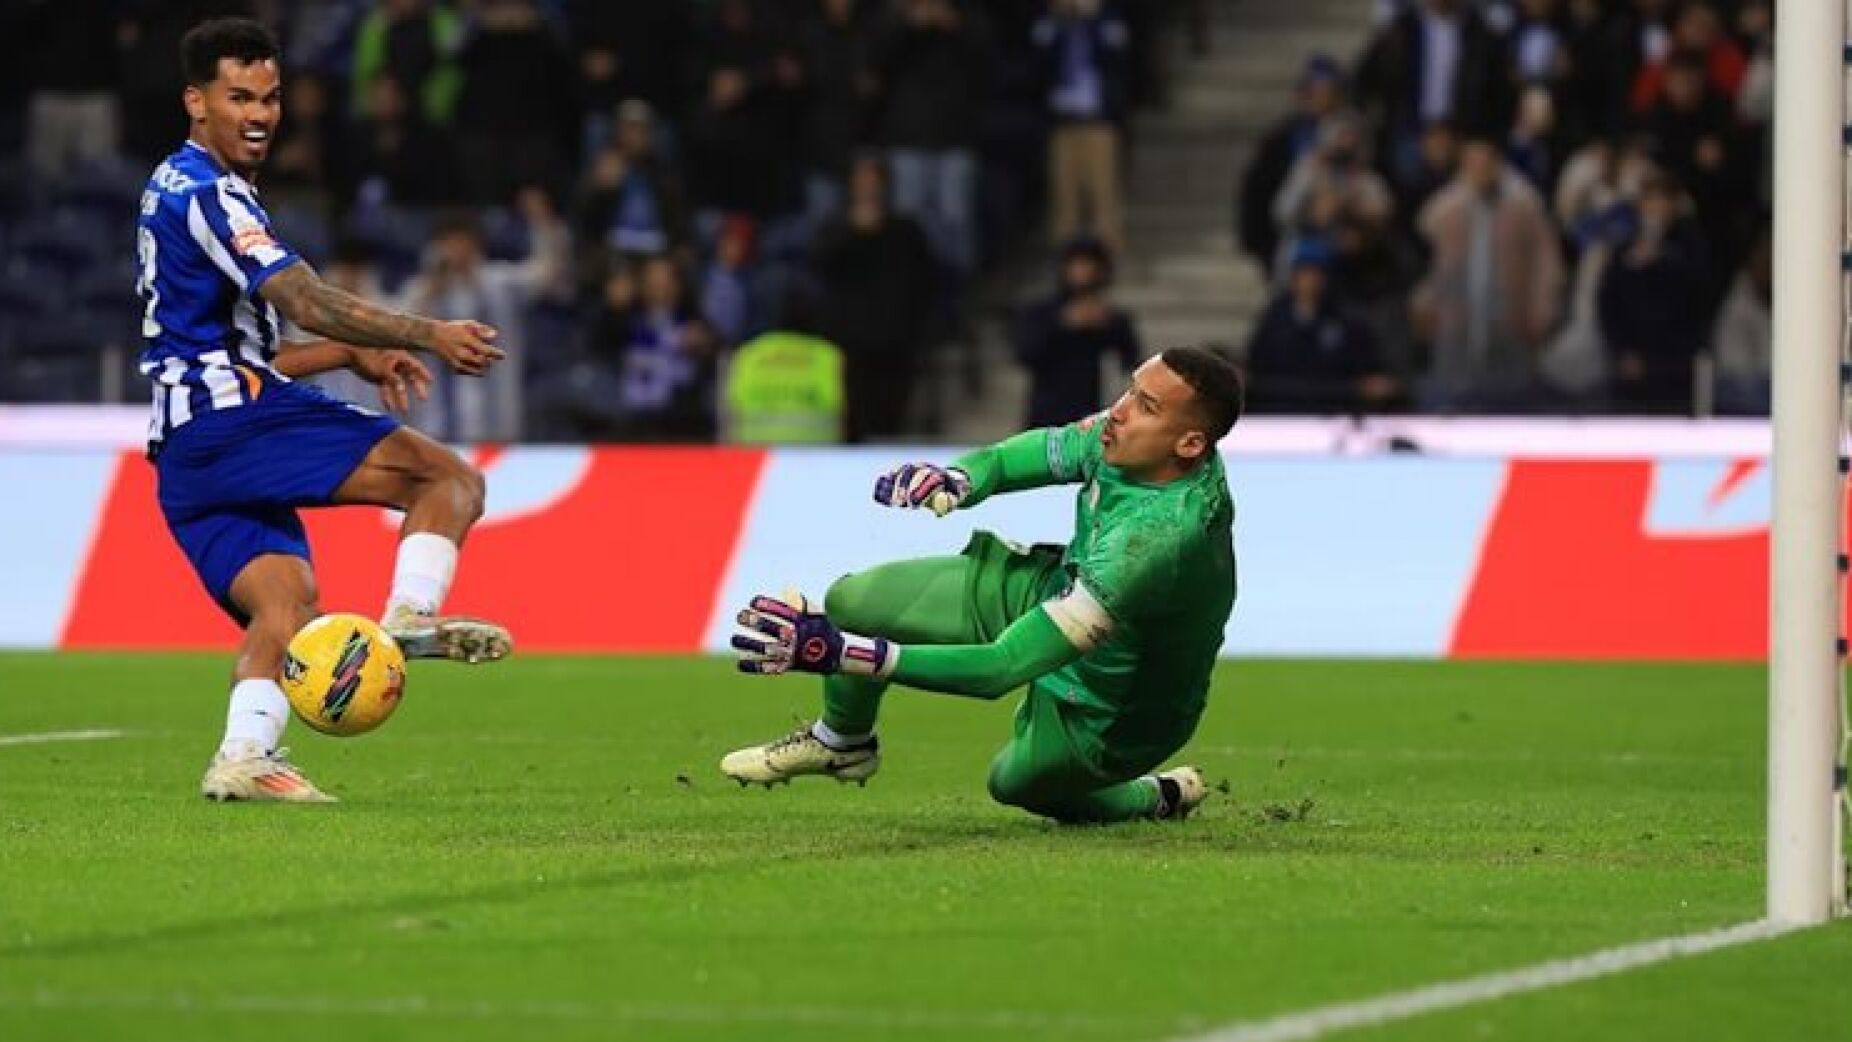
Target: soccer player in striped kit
[(239, 445)]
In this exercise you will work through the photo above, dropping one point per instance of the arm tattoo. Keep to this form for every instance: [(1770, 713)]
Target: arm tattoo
[(301, 295)]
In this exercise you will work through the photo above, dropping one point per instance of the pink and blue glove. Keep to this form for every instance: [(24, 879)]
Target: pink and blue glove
[(912, 486), (777, 634)]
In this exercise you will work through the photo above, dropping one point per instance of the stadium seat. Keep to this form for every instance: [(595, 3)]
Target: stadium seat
[(108, 189), (69, 241), (51, 360), (28, 291)]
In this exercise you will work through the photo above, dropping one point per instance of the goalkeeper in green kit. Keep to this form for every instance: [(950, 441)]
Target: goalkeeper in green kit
[(1115, 634)]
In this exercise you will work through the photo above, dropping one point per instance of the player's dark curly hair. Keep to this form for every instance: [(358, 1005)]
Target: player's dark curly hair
[(1220, 394), (240, 39)]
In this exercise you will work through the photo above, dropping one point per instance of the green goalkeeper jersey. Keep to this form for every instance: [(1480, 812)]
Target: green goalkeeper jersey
[(1160, 559)]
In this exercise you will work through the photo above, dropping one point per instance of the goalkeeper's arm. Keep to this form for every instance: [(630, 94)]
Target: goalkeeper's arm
[(1041, 641), (1016, 463)]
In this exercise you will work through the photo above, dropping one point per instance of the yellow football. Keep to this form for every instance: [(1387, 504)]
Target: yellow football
[(343, 674)]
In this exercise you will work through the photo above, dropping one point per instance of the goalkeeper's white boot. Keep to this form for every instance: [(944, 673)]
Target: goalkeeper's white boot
[(799, 753), (250, 773), (455, 637), (1180, 791)]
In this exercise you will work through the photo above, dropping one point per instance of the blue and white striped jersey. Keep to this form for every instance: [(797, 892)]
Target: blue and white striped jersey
[(205, 246)]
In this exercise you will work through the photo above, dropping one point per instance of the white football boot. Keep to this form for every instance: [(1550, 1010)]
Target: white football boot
[(1190, 791), (250, 773), (455, 637), (800, 753)]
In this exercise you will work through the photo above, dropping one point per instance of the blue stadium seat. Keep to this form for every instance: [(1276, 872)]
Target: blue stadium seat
[(108, 188), (29, 291), (51, 360), (68, 241)]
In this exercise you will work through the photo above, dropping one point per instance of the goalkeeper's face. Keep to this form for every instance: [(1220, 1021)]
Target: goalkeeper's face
[(1152, 433)]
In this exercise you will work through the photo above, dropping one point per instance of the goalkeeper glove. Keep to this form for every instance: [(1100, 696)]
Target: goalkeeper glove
[(777, 634), (914, 485)]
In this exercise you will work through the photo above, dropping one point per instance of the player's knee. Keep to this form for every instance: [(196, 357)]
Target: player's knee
[(1008, 787), (472, 492), (270, 630), (462, 486), (843, 602)]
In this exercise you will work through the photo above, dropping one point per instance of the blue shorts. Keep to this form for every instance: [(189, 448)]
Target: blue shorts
[(231, 479)]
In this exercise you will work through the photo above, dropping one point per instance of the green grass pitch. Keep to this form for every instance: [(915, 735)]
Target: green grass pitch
[(544, 850)]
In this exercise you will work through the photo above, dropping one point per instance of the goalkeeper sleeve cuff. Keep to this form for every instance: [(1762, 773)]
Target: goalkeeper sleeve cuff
[(868, 656)]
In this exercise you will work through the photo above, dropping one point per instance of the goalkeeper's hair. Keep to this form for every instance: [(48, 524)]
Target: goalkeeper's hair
[(240, 39), (1220, 395)]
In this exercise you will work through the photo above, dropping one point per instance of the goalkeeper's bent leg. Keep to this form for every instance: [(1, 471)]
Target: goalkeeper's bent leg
[(917, 601), (1040, 771)]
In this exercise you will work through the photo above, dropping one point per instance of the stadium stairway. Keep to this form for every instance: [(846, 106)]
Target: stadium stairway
[(1183, 278)]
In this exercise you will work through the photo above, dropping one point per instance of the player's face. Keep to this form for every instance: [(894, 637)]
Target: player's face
[(1151, 430), (238, 112)]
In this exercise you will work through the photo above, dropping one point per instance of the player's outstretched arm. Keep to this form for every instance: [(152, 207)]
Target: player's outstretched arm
[(319, 307), (399, 375), (1033, 459), (778, 634), (304, 358)]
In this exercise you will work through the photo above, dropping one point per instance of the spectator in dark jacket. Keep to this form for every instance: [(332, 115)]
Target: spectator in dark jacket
[(394, 156), (631, 49), (1321, 91), (1436, 61), (1306, 355), (879, 284), (739, 156), (517, 120), (935, 67), (1694, 134), (1062, 340), (632, 202), (837, 47), (1649, 320)]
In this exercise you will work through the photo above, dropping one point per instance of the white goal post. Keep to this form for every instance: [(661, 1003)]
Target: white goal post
[(1806, 874)]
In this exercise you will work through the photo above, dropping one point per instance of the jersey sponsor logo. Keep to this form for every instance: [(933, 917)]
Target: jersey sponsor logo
[(250, 239)]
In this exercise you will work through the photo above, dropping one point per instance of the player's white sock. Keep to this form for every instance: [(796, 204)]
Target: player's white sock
[(259, 711), (836, 740), (421, 578)]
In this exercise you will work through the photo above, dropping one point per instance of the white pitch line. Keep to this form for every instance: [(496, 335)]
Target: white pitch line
[(59, 736), (1324, 1020)]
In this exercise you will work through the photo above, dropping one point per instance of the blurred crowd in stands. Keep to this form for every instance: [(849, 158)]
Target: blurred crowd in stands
[(760, 219), (690, 218), (1522, 206)]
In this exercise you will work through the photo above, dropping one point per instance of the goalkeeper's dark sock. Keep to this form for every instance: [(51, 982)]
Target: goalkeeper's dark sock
[(1170, 797), (838, 741)]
